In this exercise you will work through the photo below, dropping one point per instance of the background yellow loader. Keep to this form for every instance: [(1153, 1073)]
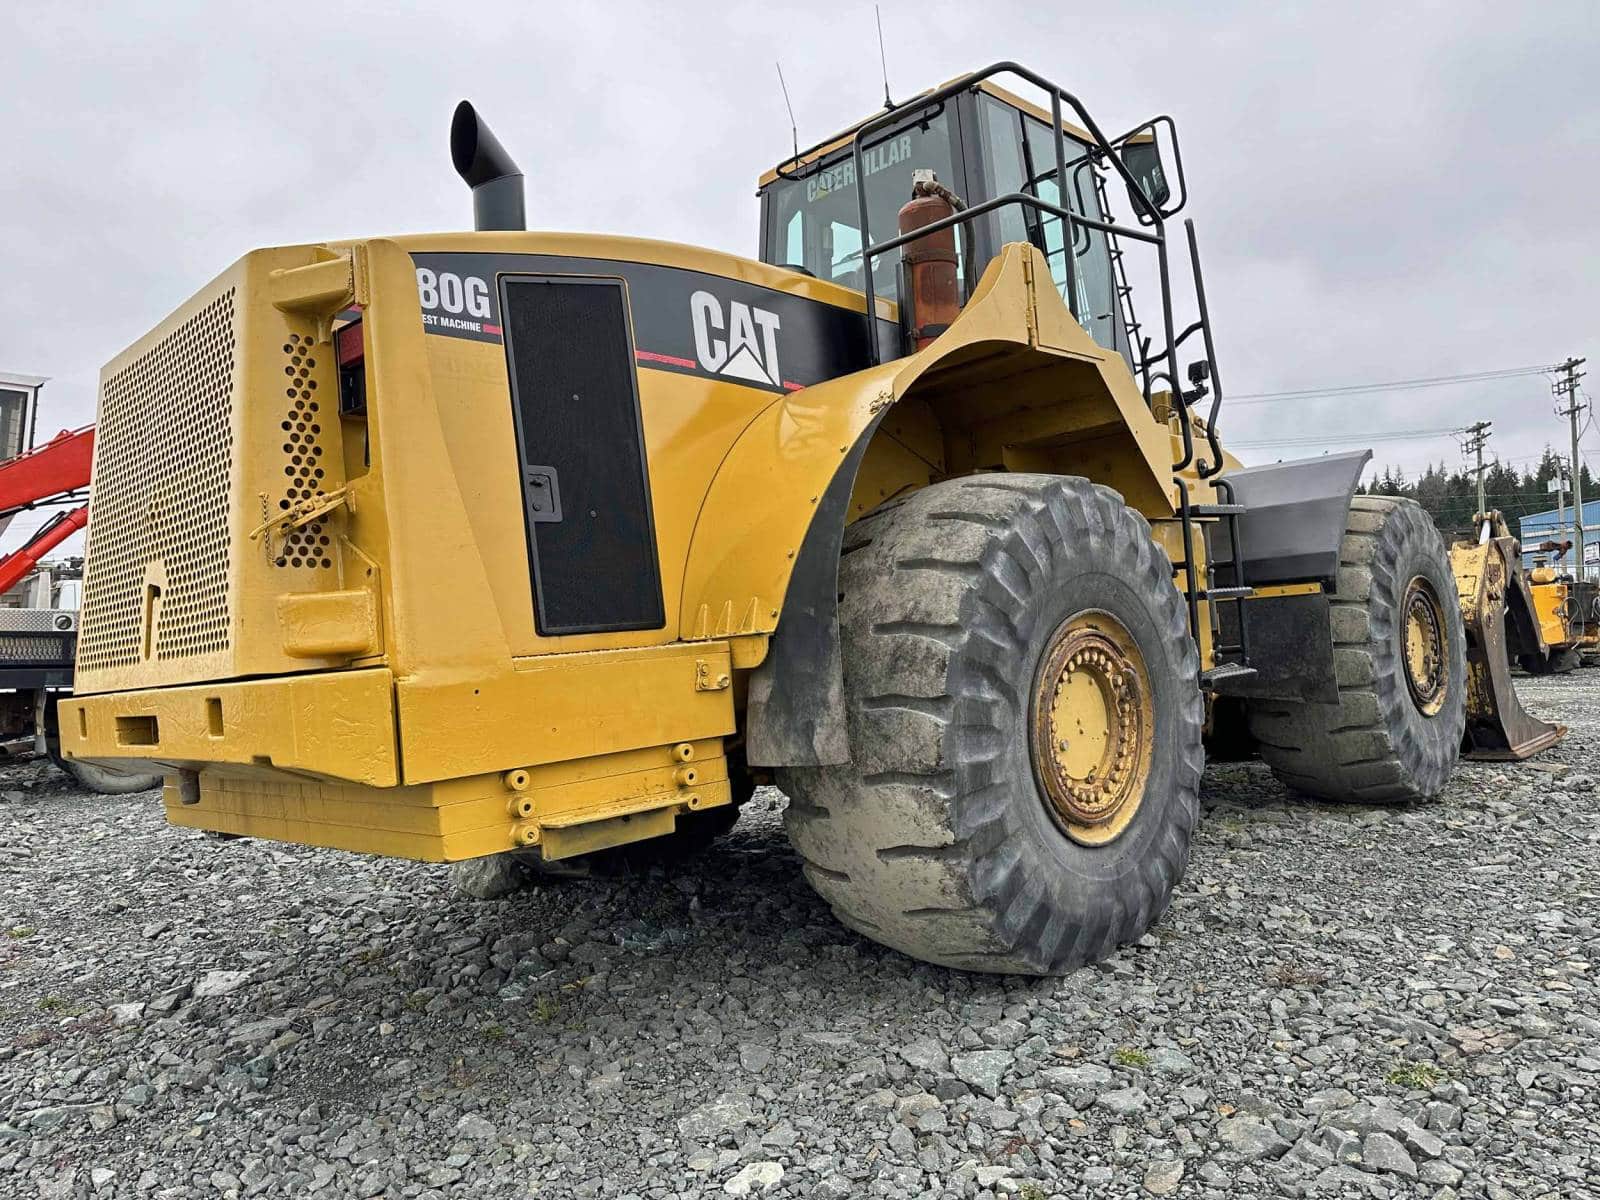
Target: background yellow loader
[(459, 544), (1568, 614)]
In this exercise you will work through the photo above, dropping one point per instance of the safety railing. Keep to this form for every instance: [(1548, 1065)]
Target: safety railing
[(1151, 230)]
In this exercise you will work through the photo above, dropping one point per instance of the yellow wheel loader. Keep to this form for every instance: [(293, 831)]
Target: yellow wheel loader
[(1567, 612), (465, 544)]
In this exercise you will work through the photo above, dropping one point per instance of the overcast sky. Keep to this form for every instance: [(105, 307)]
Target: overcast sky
[(1382, 191)]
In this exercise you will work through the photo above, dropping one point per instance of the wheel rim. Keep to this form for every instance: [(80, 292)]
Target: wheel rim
[(1427, 665), (1092, 726)]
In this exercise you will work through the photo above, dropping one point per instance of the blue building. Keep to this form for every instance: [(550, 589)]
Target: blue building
[(1539, 527)]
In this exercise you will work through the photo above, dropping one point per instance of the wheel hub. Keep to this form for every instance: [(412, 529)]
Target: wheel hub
[(1423, 642), (1093, 719)]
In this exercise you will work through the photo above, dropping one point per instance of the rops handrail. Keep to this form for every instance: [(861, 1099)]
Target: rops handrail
[(1151, 215)]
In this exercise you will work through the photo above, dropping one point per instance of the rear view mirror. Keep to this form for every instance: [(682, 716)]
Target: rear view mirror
[(1142, 156), (1141, 152)]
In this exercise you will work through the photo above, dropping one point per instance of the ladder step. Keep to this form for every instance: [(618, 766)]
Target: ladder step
[(1223, 672), (1216, 510), (1225, 593)]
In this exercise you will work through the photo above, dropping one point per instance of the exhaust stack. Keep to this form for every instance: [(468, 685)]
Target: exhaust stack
[(495, 180)]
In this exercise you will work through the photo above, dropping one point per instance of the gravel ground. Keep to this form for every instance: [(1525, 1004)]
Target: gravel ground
[(1341, 1001)]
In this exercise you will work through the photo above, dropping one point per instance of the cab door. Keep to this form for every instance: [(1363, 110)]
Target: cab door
[(1016, 153)]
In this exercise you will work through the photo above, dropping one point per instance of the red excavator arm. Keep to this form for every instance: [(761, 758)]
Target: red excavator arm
[(54, 471), (15, 566)]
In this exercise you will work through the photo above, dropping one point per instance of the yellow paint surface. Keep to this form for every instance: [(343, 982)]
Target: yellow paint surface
[(376, 671)]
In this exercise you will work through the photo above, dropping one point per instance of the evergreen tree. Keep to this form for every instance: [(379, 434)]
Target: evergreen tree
[(1451, 496)]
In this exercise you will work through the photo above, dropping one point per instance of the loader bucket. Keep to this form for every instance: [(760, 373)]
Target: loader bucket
[(1498, 729)]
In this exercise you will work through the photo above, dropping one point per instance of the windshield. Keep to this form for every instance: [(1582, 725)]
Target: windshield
[(815, 219)]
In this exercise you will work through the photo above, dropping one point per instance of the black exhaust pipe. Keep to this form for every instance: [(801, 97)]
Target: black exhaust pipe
[(495, 180)]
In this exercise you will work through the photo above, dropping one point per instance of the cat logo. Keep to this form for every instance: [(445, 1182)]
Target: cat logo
[(744, 346)]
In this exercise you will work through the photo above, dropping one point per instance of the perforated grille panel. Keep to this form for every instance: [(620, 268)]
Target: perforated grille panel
[(304, 471), (35, 647), (163, 462)]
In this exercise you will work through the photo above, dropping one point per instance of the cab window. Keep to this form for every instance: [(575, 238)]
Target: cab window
[(814, 218), (1020, 156)]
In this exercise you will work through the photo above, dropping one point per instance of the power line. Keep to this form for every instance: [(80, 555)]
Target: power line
[(1514, 460), (1420, 470), (1398, 435), (1393, 385), (1547, 452), (1500, 462), (1490, 496)]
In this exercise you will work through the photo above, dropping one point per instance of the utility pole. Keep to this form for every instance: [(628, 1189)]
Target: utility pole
[(1567, 386), (1560, 485), (1477, 438)]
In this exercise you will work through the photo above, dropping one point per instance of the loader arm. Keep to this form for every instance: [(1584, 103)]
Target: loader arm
[(1492, 586)]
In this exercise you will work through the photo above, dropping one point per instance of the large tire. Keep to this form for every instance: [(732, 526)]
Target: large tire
[(107, 780), (1559, 662), (938, 837), (1380, 743)]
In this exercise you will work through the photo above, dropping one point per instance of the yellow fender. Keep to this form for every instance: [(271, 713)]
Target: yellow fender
[(1013, 384)]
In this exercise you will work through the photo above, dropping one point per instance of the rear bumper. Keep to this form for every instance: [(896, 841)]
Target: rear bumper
[(565, 755), (339, 725)]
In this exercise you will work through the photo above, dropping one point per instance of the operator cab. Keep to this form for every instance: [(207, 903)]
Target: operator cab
[(981, 143)]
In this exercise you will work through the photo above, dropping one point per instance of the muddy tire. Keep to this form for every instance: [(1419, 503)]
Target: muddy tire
[(1559, 662), (955, 834), (106, 780), (1399, 655)]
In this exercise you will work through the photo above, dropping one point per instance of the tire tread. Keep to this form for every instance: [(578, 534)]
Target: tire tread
[(1328, 751), (959, 891)]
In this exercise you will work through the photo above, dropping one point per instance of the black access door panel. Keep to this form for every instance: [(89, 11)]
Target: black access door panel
[(585, 481)]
